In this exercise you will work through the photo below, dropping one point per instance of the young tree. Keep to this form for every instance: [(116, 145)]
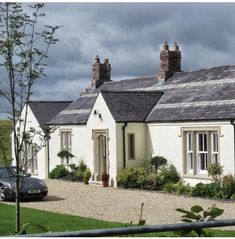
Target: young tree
[(24, 46)]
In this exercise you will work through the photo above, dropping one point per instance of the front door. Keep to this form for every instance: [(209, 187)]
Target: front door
[(100, 155)]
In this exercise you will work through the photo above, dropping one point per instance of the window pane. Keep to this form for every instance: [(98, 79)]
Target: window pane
[(204, 142), (200, 142), (190, 162), (189, 141), (132, 146)]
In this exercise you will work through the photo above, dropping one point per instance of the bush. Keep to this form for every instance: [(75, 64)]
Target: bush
[(132, 178), (178, 188), (147, 179), (228, 186), (215, 170), (158, 161), (167, 174), (210, 190), (58, 172), (71, 177)]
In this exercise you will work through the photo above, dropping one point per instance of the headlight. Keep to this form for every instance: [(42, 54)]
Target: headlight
[(42, 183)]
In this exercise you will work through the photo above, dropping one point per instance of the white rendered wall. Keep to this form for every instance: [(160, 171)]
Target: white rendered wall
[(105, 123), (139, 130), (32, 122), (165, 139), (82, 143)]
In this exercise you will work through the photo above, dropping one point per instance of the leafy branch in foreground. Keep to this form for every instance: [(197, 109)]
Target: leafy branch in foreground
[(24, 46), (198, 214)]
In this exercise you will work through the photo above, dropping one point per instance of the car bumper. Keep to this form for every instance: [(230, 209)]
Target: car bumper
[(10, 195)]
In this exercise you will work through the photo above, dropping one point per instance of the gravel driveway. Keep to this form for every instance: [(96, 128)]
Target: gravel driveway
[(121, 205)]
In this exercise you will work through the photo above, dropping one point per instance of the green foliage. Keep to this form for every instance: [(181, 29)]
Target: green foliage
[(215, 170), (158, 161), (58, 172), (179, 188), (198, 214), (87, 174), (222, 189), (228, 186), (64, 154), (147, 179), (5, 142), (132, 178), (167, 174)]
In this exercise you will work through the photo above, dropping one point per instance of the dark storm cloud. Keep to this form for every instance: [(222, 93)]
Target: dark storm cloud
[(131, 36)]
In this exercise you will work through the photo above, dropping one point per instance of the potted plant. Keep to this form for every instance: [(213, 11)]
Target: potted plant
[(64, 154), (105, 179), (87, 175)]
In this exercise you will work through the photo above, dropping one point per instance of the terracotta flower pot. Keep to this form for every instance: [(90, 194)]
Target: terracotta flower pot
[(85, 180), (105, 183)]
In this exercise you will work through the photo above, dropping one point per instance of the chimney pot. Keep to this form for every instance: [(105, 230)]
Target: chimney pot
[(176, 47), (165, 46), (97, 59)]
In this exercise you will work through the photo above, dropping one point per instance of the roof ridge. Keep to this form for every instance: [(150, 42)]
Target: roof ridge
[(132, 91), (49, 101)]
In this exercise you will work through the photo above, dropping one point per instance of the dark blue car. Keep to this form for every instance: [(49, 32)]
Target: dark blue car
[(29, 187)]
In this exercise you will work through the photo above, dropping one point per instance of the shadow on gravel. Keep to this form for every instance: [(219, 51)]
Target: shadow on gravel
[(44, 200), (53, 198)]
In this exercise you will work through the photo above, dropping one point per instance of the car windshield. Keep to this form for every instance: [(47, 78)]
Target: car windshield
[(7, 172)]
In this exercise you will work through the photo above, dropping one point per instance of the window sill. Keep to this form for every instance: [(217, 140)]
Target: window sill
[(197, 176)]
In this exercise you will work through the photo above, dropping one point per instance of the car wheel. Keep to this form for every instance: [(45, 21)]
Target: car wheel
[(2, 194)]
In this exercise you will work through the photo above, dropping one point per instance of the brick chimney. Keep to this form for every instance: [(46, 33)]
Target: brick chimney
[(170, 61), (101, 72)]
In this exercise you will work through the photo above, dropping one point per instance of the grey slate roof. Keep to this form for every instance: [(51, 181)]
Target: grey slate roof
[(206, 94), (77, 112), (46, 110), (131, 106)]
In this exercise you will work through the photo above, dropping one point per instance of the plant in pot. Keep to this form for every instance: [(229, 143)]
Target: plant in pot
[(87, 175), (105, 179), (64, 154)]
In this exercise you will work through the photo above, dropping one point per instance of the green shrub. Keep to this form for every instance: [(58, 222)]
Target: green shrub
[(178, 188), (228, 186), (210, 190), (158, 161), (87, 174), (132, 178), (167, 174), (147, 179), (170, 187), (71, 177), (215, 170), (58, 172)]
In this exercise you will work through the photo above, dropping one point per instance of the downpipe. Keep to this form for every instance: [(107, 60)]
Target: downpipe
[(233, 123), (124, 143)]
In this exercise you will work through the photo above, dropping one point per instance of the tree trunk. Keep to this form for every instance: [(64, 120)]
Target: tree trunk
[(17, 198)]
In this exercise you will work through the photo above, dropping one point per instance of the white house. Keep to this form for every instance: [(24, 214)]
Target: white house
[(187, 117), (38, 113)]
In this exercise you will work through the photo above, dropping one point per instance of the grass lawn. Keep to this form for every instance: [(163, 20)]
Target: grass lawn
[(56, 222)]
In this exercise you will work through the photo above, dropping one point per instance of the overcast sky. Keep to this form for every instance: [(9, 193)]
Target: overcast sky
[(131, 36)]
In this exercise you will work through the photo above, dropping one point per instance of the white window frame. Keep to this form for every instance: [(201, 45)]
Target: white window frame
[(214, 147), (189, 151), (33, 157), (202, 152), (66, 143)]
